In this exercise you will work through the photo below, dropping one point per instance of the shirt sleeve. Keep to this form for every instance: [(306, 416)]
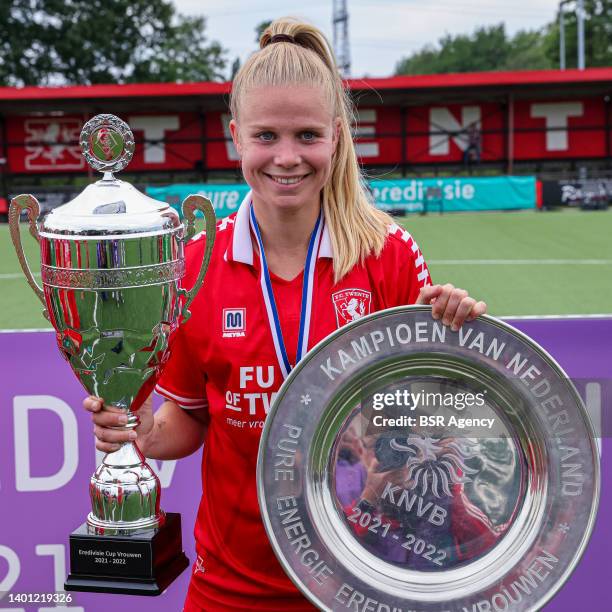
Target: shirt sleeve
[(181, 380), (411, 273)]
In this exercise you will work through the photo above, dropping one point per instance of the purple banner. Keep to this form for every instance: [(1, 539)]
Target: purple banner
[(47, 456)]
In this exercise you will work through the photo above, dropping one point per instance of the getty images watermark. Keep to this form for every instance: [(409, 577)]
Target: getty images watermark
[(421, 399), (440, 407)]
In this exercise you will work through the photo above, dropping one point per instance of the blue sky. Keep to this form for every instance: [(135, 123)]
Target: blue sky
[(381, 32)]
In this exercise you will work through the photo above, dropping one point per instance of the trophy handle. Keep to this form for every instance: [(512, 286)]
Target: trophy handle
[(189, 206), (30, 204)]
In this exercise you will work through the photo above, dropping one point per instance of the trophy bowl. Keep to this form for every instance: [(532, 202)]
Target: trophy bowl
[(404, 466), (112, 261)]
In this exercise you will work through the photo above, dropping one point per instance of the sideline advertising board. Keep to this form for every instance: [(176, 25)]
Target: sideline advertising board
[(400, 196), (47, 456)]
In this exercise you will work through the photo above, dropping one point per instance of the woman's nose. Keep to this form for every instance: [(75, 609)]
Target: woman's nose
[(287, 154)]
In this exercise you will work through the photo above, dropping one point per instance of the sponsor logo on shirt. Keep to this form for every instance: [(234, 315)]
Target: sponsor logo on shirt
[(234, 322), (350, 305)]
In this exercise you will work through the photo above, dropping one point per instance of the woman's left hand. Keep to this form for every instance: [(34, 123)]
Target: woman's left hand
[(454, 306)]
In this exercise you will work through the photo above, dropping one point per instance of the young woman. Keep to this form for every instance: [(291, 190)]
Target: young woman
[(307, 235)]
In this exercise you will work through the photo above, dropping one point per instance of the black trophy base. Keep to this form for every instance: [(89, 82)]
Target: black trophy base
[(139, 564)]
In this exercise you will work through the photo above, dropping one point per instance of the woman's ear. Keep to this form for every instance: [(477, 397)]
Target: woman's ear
[(233, 126)]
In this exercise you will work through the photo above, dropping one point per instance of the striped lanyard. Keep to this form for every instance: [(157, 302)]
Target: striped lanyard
[(307, 289)]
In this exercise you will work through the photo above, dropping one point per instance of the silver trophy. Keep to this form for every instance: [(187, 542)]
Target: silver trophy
[(111, 266), (404, 466)]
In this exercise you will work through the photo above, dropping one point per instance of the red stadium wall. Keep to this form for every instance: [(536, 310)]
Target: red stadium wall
[(564, 128), (555, 116), (50, 144), (432, 134), (438, 133)]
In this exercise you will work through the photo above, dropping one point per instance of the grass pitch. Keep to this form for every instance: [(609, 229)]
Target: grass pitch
[(520, 263)]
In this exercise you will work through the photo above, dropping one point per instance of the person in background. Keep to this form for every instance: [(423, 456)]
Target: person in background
[(471, 155)]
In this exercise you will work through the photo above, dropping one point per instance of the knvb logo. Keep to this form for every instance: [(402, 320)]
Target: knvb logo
[(234, 322), (436, 465)]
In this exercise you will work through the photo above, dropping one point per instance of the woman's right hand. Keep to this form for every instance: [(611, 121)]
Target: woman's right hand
[(107, 419)]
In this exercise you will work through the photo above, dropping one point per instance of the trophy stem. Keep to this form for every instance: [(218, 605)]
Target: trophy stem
[(124, 493)]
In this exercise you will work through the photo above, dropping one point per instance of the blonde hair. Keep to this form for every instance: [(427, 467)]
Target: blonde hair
[(303, 57)]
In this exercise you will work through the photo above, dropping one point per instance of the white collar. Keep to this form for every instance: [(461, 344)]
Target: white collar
[(242, 246)]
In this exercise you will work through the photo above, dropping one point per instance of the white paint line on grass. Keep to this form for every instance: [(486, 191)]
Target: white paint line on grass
[(567, 316), (13, 275), (520, 262)]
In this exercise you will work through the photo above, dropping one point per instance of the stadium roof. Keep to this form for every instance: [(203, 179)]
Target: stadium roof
[(135, 90), (421, 85), (488, 79)]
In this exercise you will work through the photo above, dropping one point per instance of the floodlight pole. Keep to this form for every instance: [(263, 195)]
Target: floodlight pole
[(579, 4), (341, 37), (561, 36), (580, 18)]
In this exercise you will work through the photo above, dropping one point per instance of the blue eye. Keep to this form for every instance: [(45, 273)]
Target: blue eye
[(309, 136), (265, 136)]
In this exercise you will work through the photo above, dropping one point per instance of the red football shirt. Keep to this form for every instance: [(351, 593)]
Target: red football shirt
[(223, 358)]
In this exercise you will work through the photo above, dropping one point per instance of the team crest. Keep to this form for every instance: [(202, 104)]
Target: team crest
[(234, 322), (350, 305)]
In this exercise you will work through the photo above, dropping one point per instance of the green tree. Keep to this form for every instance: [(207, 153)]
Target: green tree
[(183, 55), (528, 51), (235, 68), (597, 35), (488, 48), (260, 28), (45, 42)]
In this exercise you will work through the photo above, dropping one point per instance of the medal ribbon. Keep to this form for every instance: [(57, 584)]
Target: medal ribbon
[(307, 290)]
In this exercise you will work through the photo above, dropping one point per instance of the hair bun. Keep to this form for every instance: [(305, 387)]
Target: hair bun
[(301, 34)]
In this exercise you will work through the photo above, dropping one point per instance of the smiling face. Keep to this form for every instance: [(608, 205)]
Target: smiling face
[(286, 138)]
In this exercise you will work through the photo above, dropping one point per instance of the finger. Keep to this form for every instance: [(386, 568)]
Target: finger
[(455, 298), (479, 308), (107, 447), (113, 436), (96, 404), (114, 409), (433, 297), (108, 418), (93, 403), (441, 304), (428, 293), (463, 310)]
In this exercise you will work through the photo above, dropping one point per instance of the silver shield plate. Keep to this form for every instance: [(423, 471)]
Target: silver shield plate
[(404, 466)]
